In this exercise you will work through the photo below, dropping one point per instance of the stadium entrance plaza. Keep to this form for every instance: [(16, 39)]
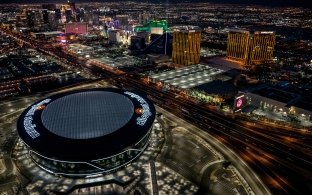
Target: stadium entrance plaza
[(177, 161)]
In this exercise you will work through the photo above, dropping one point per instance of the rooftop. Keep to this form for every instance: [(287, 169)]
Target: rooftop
[(189, 76), (304, 103), (218, 87), (87, 115), (275, 94)]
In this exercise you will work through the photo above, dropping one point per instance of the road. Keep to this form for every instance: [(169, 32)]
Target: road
[(247, 173), (281, 158)]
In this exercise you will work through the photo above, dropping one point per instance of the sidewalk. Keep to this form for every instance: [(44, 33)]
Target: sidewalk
[(278, 117)]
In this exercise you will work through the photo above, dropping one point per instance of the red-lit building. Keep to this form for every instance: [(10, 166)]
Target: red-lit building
[(76, 27)]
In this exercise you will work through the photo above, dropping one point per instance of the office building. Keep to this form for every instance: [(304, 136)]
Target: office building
[(104, 32), (114, 36), (45, 16), (72, 6), (69, 15), (22, 19), (143, 18), (162, 44), (51, 18), (123, 19), (136, 43), (58, 15), (34, 18), (144, 35), (48, 6), (80, 14), (95, 18)]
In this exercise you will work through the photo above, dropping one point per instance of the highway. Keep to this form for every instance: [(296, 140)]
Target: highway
[(283, 165)]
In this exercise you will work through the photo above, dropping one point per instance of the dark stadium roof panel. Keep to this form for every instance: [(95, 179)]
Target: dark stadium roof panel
[(87, 115)]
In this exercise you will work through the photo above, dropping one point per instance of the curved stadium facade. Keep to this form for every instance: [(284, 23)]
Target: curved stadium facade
[(87, 132)]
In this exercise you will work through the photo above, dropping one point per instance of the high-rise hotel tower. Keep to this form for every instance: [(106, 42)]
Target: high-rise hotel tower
[(250, 48), (186, 45)]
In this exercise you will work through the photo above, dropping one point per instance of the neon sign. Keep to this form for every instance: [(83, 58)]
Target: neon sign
[(146, 110), (239, 103), (28, 119), (266, 32)]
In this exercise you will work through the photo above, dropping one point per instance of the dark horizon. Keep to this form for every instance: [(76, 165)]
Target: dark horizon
[(269, 3)]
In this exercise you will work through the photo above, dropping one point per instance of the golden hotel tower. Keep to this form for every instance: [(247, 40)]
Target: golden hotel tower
[(186, 45), (250, 48)]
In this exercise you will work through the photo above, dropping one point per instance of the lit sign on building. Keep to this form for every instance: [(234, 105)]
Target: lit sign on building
[(238, 103), (146, 110), (266, 32), (28, 125)]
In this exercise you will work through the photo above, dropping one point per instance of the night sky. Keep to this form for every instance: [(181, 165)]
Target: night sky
[(299, 3)]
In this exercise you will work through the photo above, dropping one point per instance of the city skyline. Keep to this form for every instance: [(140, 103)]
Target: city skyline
[(155, 98), (276, 3)]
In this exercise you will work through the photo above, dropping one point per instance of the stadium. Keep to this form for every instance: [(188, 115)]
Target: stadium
[(87, 132)]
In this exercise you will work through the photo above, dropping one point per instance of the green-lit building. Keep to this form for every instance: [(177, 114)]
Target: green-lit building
[(152, 24)]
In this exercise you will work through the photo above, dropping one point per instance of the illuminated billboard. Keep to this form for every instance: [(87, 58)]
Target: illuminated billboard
[(76, 27), (238, 102)]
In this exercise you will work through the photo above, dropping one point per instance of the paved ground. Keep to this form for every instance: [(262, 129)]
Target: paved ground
[(135, 176), (196, 159), (280, 117)]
